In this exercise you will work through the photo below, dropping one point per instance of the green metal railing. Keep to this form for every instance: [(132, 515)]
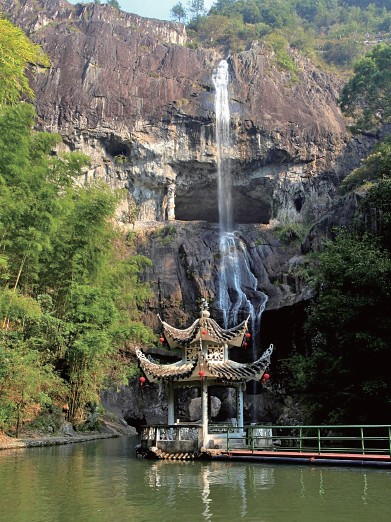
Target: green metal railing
[(362, 439)]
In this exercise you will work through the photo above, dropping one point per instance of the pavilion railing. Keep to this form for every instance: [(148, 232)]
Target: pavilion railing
[(223, 427), (170, 433), (362, 439)]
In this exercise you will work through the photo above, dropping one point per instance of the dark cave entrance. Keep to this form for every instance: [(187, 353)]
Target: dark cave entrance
[(116, 149), (201, 204)]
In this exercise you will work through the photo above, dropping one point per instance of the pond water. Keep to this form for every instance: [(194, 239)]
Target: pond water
[(102, 481)]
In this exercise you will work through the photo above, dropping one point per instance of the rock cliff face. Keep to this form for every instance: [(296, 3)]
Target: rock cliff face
[(186, 264), (131, 94)]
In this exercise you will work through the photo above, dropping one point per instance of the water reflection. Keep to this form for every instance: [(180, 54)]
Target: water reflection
[(206, 500), (321, 489), (206, 481), (103, 481)]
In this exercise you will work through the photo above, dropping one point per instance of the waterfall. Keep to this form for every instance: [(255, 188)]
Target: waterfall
[(223, 144), (237, 286)]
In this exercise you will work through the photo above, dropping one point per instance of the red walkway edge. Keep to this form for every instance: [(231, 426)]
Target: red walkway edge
[(294, 457)]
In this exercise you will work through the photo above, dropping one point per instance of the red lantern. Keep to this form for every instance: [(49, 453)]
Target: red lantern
[(244, 345), (204, 332), (201, 373), (161, 339), (248, 335), (142, 380), (266, 377)]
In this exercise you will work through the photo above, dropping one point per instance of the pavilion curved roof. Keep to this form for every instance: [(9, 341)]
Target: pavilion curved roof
[(227, 371), (178, 370), (206, 329), (234, 371)]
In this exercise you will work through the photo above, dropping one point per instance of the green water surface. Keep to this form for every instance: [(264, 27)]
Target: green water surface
[(103, 481)]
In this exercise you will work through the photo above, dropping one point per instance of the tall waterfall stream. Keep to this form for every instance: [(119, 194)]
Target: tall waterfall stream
[(237, 288)]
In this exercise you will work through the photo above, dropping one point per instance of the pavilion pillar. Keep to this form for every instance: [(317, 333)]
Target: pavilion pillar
[(171, 405), (239, 406), (204, 416)]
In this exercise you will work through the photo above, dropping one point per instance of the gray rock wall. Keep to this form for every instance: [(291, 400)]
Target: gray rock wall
[(128, 92)]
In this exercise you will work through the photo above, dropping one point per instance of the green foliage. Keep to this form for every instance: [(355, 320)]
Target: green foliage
[(280, 47), (48, 420), (17, 308), (229, 33), (377, 211), (301, 38), (342, 52), (196, 8), (68, 300), (328, 30), (120, 159), (375, 167), (28, 203), (114, 3), (367, 96), (178, 12), (93, 413), (291, 232), (16, 54), (25, 379), (90, 315), (344, 375), (166, 234), (131, 214)]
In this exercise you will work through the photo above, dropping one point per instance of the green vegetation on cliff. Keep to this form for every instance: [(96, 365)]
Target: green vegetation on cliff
[(343, 376), (367, 95), (376, 167), (17, 52), (335, 32), (69, 298)]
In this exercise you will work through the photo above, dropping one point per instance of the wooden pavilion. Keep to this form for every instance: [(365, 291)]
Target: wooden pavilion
[(205, 363)]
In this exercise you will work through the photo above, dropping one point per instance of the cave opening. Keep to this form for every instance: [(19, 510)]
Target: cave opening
[(201, 204), (117, 149), (298, 202)]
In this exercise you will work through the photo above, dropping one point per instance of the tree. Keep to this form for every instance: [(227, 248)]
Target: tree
[(114, 3), (367, 96), (96, 292), (25, 380), (344, 375), (90, 314), (342, 52), (28, 199), (374, 167), (68, 301), (178, 12), (377, 211), (65, 294), (17, 53), (276, 13), (228, 32), (196, 8)]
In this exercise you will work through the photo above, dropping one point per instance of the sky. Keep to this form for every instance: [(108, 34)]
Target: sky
[(150, 8)]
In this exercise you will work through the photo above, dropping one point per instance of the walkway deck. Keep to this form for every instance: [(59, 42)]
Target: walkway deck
[(293, 457)]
